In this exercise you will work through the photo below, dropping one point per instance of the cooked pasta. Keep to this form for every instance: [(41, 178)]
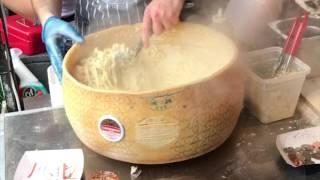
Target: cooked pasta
[(160, 66)]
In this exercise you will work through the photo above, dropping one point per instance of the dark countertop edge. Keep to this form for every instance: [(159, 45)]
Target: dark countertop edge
[(25, 112)]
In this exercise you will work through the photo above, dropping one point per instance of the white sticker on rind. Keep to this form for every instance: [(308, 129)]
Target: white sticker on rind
[(111, 129)]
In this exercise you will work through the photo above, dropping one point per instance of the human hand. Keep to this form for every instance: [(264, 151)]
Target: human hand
[(159, 16), (53, 29)]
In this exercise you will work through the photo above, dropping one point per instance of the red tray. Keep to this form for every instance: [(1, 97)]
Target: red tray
[(23, 34)]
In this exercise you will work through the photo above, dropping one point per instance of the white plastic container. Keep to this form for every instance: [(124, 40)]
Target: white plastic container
[(29, 84), (55, 88), (276, 98)]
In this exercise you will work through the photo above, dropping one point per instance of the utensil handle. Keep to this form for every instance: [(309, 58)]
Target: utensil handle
[(292, 32), (298, 38)]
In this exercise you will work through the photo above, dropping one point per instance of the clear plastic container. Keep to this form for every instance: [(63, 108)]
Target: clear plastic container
[(272, 99)]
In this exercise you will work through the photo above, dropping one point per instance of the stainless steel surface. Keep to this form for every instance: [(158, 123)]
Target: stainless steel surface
[(250, 153), (282, 27), (92, 16), (309, 53), (37, 102)]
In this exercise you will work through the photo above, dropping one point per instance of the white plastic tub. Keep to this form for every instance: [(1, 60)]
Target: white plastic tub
[(55, 88), (276, 98)]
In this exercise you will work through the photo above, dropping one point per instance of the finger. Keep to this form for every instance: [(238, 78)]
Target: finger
[(71, 33), (55, 56), (157, 26), (147, 28), (174, 21), (166, 24)]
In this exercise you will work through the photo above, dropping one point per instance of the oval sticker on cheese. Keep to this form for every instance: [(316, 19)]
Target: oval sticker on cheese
[(111, 129)]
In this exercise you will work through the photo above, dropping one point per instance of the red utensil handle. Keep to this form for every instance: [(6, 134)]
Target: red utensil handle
[(292, 32), (300, 32)]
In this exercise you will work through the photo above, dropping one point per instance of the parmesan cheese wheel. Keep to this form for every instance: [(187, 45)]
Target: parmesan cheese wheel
[(179, 100)]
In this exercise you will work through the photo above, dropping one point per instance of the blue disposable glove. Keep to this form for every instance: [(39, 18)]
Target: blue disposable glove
[(54, 30)]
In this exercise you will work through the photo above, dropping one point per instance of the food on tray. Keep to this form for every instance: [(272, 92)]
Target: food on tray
[(303, 155)]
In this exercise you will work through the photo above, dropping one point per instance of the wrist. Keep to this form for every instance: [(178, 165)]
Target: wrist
[(43, 18), (45, 24), (44, 15)]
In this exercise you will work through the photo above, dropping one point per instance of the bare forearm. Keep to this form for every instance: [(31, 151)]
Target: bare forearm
[(21, 7), (46, 8)]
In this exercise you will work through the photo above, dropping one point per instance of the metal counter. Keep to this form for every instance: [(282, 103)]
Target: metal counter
[(250, 153)]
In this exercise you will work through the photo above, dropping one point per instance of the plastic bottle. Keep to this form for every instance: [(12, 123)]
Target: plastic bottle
[(29, 85), (249, 18)]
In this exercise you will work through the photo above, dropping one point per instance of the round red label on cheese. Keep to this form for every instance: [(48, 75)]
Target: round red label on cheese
[(111, 129)]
